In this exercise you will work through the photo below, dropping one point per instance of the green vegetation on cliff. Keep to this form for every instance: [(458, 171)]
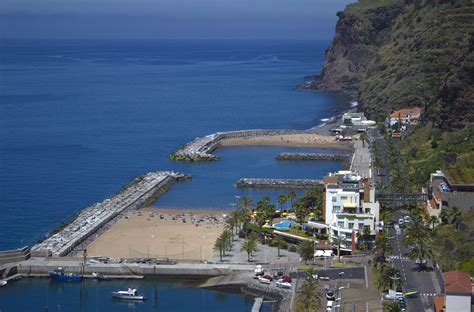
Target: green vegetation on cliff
[(405, 53)]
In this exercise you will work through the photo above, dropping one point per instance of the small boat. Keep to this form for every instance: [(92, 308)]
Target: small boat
[(100, 277), (17, 277), (3, 283), (59, 275), (130, 294)]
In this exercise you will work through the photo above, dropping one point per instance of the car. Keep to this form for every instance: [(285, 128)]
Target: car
[(407, 218), (329, 305), (330, 295), (324, 278), (285, 285), (401, 221), (264, 280), (286, 278), (268, 277)]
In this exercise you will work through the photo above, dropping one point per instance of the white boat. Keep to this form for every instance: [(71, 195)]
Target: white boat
[(3, 283), (130, 294)]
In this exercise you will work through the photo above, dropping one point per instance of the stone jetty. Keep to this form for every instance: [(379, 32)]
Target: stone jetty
[(200, 149), (139, 192), (279, 183), (311, 156)]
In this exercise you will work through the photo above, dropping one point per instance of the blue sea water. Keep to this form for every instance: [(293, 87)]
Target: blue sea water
[(79, 119), (164, 295)]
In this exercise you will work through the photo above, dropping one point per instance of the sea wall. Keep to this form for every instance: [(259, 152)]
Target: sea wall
[(16, 255), (282, 297), (139, 192), (279, 183), (311, 156), (200, 149)]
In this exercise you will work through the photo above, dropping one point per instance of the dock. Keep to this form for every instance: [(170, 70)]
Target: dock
[(139, 192), (311, 156), (279, 183)]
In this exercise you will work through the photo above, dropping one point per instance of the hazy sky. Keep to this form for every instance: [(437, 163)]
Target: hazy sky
[(170, 19)]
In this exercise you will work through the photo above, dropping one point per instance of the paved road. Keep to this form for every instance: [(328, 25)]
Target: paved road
[(361, 159), (381, 177), (426, 283)]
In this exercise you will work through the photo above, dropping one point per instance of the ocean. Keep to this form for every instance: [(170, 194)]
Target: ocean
[(80, 118)]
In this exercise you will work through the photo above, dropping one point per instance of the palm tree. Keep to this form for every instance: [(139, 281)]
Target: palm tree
[(308, 299), (282, 200), (338, 241), (363, 137), (381, 248), (249, 245), (419, 238), (279, 242), (456, 216), (232, 222), (444, 216), (220, 246), (433, 220), (388, 278), (392, 306), (301, 211), (291, 196), (306, 250), (226, 237)]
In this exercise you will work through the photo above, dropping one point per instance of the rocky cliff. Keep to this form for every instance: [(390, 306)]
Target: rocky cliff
[(395, 53)]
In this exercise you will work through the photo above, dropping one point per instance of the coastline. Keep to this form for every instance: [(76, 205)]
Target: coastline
[(293, 140)]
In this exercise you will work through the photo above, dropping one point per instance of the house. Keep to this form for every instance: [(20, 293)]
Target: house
[(349, 207), (458, 291), (404, 117)]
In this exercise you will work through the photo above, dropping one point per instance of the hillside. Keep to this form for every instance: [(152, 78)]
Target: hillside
[(398, 54), (392, 54)]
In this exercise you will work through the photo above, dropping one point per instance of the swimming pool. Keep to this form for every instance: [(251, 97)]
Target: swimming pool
[(284, 225)]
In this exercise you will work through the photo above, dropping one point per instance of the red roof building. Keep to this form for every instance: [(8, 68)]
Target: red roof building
[(458, 290)]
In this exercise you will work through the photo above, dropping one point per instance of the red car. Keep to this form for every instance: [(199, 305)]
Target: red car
[(268, 277), (286, 278)]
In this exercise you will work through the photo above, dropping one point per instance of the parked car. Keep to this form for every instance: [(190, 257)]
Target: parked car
[(285, 285), (286, 278), (401, 222), (268, 277), (330, 295), (264, 280)]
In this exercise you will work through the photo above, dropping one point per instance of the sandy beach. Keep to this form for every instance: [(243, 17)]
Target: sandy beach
[(161, 233), (295, 140)]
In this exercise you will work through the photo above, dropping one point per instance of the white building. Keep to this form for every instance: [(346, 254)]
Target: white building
[(458, 291), (349, 207)]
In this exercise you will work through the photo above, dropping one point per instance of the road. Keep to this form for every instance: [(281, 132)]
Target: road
[(380, 177), (425, 282)]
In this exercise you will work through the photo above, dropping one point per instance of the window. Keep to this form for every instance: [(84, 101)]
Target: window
[(367, 210), (336, 209), (334, 199), (340, 224), (361, 225), (351, 225), (343, 197)]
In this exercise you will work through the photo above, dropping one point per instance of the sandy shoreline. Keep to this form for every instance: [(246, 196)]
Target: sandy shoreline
[(294, 140), (187, 234)]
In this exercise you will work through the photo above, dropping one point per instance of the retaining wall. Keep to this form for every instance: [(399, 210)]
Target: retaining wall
[(12, 256)]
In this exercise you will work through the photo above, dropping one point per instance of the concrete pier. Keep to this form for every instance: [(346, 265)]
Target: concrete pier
[(257, 304), (200, 149), (311, 156), (141, 191), (279, 183)]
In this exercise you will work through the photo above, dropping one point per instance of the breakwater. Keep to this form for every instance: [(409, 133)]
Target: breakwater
[(279, 183), (200, 149), (280, 297), (311, 156), (141, 191)]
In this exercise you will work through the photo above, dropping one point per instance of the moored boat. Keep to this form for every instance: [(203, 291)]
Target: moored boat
[(100, 277), (130, 294), (3, 283), (59, 275)]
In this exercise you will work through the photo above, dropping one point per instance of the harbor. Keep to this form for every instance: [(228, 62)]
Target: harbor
[(201, 148)]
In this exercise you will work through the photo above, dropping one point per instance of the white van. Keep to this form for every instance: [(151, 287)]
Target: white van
[(329, 306)]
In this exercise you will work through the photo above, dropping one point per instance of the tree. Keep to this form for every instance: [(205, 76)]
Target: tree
[(456, 216), (291, 196), (389, 277), (338, 241), (306, 250), (226, 237), (392, 306), (282, 200), (444, 216), (366, 235), (433, 221), (279, 242), (232, 221), (381, 248), (220, 246), (419, 238), (301, 211), (249, 245), (308, 299), (363, 137)]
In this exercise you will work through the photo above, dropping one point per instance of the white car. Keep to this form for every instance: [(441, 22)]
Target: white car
[(264, 280), (283, 285), (401, 221)]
